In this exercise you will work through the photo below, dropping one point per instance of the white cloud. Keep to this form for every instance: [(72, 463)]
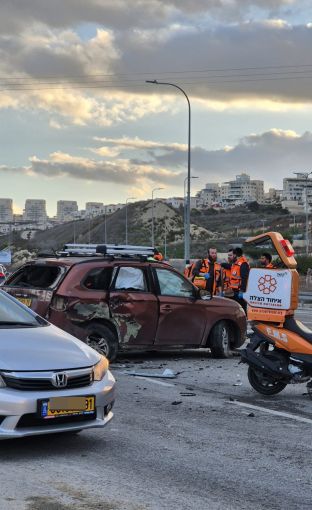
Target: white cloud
[(41, 58), (138, 143), (119, 171), (15, 15), (270, 156)]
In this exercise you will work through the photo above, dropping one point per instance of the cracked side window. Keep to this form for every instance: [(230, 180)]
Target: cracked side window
[(171, 284)]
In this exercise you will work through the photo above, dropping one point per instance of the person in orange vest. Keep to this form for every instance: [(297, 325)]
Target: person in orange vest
[(157, 255), (188, 270), (239, 276), (207, 273), (226, 271), (266, 261)]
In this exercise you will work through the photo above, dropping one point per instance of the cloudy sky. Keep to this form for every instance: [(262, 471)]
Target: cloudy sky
[(78, 121)]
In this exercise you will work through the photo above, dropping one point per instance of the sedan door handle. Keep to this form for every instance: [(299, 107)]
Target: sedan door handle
[(166, 308)]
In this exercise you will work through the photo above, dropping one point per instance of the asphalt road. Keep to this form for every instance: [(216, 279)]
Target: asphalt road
[(192, 442)]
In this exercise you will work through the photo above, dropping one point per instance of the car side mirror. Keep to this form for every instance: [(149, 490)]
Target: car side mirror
[(207, 296)]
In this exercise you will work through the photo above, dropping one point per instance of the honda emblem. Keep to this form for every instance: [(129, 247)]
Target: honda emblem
[(59, 380)]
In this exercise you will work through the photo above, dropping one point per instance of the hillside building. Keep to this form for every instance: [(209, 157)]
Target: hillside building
[(66, 210), (296, 192), (35, 211), (6, 210), (241, 191), (94, 209), (209, 196)]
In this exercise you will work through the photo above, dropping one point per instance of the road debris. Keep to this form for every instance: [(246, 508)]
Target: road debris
[(166, 374), (238, 381)]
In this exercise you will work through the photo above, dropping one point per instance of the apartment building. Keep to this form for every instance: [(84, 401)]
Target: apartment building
[(241, 191), (6, 210), (232, 193), (94, 209), (296, 191), (35, 211), (209, 196), (66, 210)]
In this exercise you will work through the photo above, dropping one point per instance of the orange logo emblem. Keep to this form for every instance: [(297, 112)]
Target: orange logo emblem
[(267, 284)]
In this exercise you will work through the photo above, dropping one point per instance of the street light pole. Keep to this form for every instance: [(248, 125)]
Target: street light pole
[(185, 204), (263, 222), (130, 198), (187, 230), (153, 235), (105, 226)]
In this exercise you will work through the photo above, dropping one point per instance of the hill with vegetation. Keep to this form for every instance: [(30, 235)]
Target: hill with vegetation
[(220, 228)]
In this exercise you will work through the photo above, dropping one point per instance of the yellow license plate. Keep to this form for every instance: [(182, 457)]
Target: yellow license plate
[(67, 406), (25, 301)]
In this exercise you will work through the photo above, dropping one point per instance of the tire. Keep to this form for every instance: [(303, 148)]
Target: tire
[(103, 340), (264, 384), (221, 338)]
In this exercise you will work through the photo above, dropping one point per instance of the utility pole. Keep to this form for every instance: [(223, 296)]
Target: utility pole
[(105, 227), (130, 198), (153, 233)]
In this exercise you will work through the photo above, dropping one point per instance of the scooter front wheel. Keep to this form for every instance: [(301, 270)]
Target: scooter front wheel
[(264, 384)]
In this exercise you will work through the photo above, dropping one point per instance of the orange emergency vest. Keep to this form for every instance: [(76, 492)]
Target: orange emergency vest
[(188, 271), (226, 278), (158, 256), (236, 279), (200, 281)]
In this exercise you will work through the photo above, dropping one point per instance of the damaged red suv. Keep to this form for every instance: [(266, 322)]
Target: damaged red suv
[(120, 302)]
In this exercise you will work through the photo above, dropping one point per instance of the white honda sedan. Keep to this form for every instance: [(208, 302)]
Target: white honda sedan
[(49, 381)]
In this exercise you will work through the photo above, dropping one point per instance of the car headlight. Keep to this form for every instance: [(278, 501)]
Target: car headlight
[(2, 382), (100, 369)]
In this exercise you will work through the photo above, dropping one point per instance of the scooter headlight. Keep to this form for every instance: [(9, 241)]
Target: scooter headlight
[(100, 369)]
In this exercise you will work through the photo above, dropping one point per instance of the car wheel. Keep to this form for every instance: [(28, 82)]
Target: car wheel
[(103, 340), (221, 338), (264, 384)]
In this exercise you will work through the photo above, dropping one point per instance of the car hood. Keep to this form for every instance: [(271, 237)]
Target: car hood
[(43, 348)]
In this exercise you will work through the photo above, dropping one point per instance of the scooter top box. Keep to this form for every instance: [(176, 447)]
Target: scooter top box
[(272, 294)]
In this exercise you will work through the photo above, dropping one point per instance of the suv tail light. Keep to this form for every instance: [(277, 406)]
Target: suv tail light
[(288, 249), (59, 303)]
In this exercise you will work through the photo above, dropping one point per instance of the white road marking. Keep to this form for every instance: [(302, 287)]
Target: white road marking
[(271, 411), (161, 383)]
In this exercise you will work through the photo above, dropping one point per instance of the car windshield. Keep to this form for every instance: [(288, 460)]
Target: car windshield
[(14, 314)]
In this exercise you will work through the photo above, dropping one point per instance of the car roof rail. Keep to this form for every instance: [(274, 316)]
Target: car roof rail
[(110, 250)]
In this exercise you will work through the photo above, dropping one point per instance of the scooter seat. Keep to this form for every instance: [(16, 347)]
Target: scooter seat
[(300, 329)]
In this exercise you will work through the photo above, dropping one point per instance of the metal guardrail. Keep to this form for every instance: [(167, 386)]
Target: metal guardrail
[(305, 296)]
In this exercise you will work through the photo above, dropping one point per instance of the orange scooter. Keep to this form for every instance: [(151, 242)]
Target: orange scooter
[(280, 350)]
